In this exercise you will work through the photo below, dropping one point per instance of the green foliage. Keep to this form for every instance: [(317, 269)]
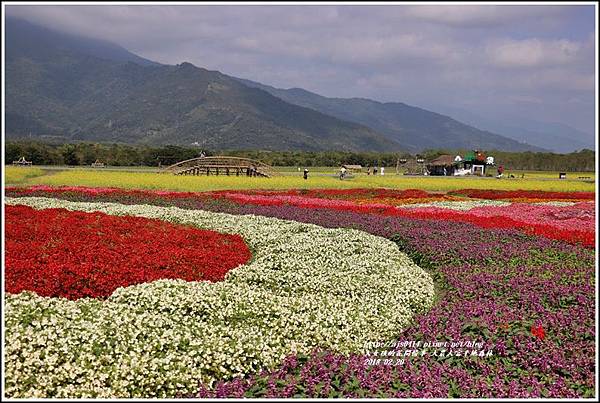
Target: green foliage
[(70, 156), (41, 153), (36, 152)]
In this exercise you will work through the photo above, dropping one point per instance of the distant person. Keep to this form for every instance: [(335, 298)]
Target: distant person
[(369, 171), (305, 173), (202, 155), (445, 172), (374, 170), (382, 171), (500, 171)]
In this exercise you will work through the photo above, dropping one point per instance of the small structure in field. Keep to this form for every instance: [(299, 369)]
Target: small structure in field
[(221, 165), (97, 164), (352, 168), (411, 166), (22, 162), (474, 163), (444, 165), (477, 162), (400, 162)]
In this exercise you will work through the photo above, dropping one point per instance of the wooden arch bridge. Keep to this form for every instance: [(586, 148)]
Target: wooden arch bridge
[(221, 165)]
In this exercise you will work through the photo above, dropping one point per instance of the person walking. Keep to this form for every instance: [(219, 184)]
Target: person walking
[(375, 170), (382, 171), (305, 173), (342, 173)]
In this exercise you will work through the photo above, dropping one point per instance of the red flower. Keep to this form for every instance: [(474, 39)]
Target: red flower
[(59, 253), (522, 194), (538, 331)]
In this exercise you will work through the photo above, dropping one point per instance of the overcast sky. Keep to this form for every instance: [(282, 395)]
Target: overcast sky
[(495, 60)]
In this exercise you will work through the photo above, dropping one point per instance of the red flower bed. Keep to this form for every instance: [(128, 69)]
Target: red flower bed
[(491, 217), (60, 253), (522, 194)]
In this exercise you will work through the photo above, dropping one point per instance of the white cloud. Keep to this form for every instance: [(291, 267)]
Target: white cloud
[(525, 99), (532, 52), (481, 15)]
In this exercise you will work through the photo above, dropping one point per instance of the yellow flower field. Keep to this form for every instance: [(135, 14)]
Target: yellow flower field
[(143, 180), (15, 175), (549, 174)]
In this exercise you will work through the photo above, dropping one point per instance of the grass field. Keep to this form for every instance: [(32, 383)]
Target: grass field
[(143, 180)]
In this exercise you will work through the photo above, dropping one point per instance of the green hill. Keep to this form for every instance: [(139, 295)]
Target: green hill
[(65, 87)]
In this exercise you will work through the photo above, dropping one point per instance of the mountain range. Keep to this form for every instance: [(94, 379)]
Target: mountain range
[(71, 88), (415, 128), (557, 137)]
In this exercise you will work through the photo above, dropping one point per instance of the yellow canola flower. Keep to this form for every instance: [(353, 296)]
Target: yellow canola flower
[(163, 181)]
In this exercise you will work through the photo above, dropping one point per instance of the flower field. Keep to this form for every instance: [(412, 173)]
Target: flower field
[(305, 287), (558, 215), (152, 181)]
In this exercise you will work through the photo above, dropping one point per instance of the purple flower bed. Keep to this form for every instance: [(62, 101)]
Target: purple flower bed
[(493, 287)]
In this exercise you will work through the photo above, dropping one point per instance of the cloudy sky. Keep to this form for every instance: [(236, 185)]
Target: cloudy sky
[(498, 61)]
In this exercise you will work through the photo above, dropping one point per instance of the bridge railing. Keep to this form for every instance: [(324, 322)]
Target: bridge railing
[(221, 162)]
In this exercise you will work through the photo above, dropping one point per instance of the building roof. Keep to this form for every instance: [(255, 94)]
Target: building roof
[(475, 156), (442, 160), (352, 166)]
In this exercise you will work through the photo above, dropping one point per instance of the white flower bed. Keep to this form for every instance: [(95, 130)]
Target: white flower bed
[(556, 203), (466, 205), (305, 287), (457, 205)]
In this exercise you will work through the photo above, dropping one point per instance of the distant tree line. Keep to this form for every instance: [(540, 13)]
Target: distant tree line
[(41, 153)]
